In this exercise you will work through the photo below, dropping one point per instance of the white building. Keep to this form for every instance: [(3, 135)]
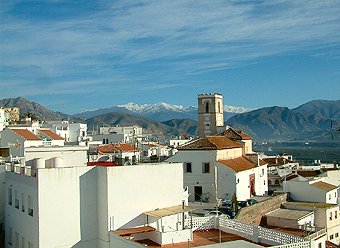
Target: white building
[(327, 216), (70, 132), (3, 122), (79, 206), (178, 141), (291, 219), (311, 190), (123, 154), (20, 138), (217, 164)]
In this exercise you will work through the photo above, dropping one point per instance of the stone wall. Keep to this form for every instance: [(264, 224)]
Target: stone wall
[(253, 214)]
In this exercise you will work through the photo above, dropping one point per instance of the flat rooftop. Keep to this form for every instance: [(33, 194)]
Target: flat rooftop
[(209, 237), (289, 214), (310, 204)]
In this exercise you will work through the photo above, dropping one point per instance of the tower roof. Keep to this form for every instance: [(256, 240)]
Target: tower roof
[(210, 143)]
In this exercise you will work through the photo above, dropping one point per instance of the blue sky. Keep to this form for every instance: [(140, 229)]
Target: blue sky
[(76, 55)]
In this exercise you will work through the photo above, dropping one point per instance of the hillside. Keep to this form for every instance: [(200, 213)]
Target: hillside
[(158, 111), (152, 127), (183, 126), (38, 110), (280, 123), (323, 108)]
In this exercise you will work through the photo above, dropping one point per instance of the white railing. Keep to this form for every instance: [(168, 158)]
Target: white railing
[(254, 233), (258, 233), (278, 237), (317, 234), (201, 223), (305, 244)]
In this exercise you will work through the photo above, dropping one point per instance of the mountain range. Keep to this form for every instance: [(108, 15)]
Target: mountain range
[(315, 120), (158, 112)]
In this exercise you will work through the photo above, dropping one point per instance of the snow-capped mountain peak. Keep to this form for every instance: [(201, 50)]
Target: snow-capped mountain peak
[(153, 108), (162, 106), (235, 109)]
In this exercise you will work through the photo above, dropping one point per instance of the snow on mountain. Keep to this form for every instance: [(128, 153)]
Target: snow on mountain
[(161, 106), (235, 109), (154, 108)]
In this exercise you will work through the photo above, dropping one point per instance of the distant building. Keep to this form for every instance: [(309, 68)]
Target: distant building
[(327, 216), (12, 115), (311, 190), (3, 120)]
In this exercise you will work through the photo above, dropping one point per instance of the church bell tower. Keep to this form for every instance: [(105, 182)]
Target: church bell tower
[(210, 114)]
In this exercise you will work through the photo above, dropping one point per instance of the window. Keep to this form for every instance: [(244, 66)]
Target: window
[(330, 216), (320, 245), (219, 107), (337, 235), (188, 168), (207, 107), (336, 214), (22, 202), (16, 202), (329, 196), (335, 194), (277, 182), (331, 237), (9, 196), (205, 168), (30, 206), (10, 238), (17, 240)]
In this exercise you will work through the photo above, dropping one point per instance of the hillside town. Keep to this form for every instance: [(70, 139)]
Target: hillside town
[(64, 184)]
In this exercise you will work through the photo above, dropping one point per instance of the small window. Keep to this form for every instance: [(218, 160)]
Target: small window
[(30, 206), (10, 196), (22, 242), (337, 235), (10, 237), (22, 202), (188, 168), (207, 107), (277, 182), (331, 237), (219, 107), (205, 168), (329, 196), (16, 203), (320, 245), (330, 216), (264, 182), (336, 214)]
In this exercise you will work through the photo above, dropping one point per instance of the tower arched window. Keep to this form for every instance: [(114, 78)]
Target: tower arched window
[(207, 107), (219, 107)]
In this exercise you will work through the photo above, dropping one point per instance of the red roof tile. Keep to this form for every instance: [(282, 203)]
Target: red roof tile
[(51, 134), (235, 134), (210, 143), (26, 134), (238, 164), (113, 148), (324, 186)]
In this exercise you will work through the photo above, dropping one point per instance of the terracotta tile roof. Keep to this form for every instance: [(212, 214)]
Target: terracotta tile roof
[(290, 177), (331, 245), (324, 186), (113, 148), (51, 134), (313, 173), (238, 164), (210, 143), (277, 161), (134, 230), (234, 134), (26, 134)]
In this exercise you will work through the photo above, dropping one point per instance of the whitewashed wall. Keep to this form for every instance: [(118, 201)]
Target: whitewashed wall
[(196, 177)]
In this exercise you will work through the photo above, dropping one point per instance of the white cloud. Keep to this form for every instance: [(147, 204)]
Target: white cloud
[(124, 42)]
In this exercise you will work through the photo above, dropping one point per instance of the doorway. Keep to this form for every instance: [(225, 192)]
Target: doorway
[(198, 193)]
